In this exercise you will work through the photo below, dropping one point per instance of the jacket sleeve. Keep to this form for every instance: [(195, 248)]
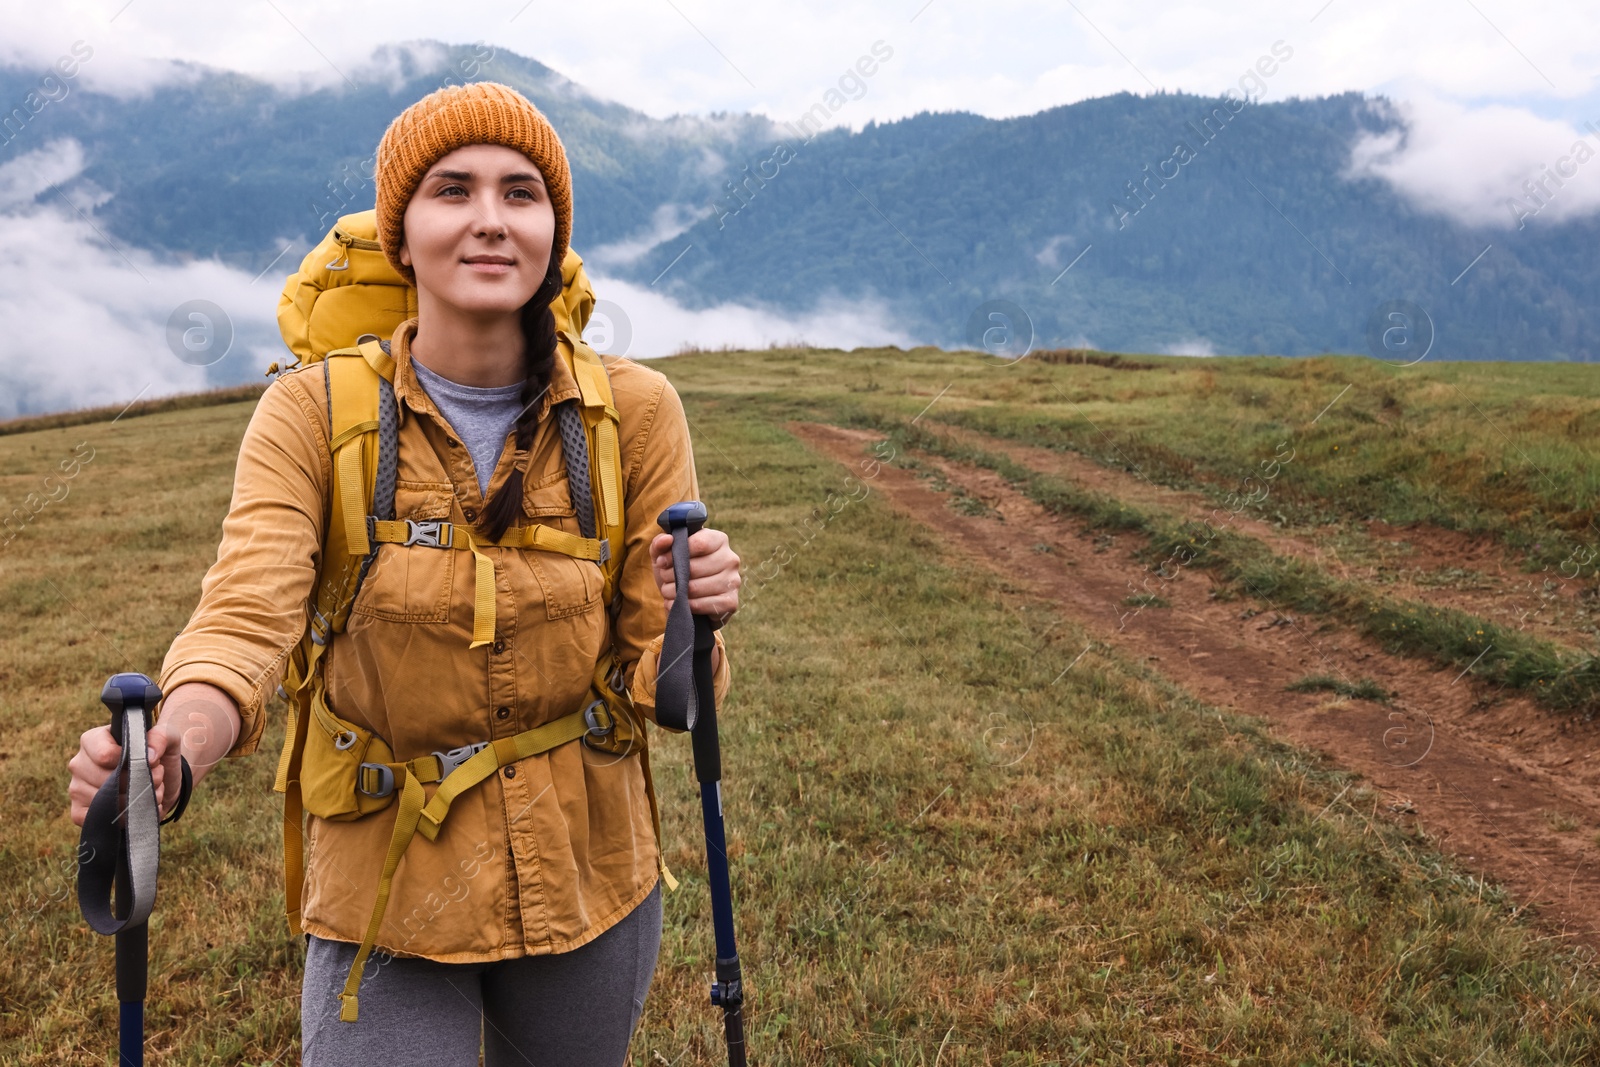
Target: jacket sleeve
[(254, 598), (665, 475)]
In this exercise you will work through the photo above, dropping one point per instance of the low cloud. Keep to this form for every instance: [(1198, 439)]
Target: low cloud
[(653, 325), (666, 222), (1494, 165), (1050, 255), (1194, 346), (86, 318)]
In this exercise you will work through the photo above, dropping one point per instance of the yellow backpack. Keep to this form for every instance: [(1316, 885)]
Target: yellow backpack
[(337, 310)]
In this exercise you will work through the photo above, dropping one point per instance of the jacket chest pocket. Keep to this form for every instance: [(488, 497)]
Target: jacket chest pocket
[(411, 583), (567, 585)]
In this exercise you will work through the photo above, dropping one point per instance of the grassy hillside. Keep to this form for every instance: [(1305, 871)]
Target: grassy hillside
[(962, 831)]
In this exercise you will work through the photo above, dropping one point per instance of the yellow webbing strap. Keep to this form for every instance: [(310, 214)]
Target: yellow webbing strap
[(453, 535), (551, 539), (605, 435), (294, 869), (414, 816), (486, 761), (353, 396), (348, 464), (595, 386), (378, 359), (405, 827), (534, 535), (300, 690), (483, 595), (601, 421), (655, 816)]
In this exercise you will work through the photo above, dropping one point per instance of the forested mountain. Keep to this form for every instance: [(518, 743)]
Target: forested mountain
[(1217, 227)]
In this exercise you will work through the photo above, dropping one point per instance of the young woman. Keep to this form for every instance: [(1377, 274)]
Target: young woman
[(529, 928)]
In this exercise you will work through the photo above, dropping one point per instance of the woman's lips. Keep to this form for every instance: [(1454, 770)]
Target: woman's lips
[(490, 268)]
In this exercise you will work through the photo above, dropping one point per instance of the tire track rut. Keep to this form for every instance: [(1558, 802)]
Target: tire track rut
[(1522, 808)]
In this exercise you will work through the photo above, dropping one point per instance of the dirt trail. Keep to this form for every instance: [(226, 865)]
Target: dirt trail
[(1513, 792), (1484, 578)]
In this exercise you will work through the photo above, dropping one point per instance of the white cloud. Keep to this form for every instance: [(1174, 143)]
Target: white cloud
[(1050, 255), (1192, 346), (660, 327), (1494, 165), (86, 321), (666, 222)]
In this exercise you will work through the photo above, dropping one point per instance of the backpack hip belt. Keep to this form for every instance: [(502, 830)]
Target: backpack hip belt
[(455, 771)]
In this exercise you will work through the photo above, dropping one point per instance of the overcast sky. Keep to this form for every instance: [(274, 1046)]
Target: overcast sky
[(997, 57), (1497, 91)]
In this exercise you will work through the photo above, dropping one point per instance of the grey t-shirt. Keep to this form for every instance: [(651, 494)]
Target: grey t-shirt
[(480, 415)]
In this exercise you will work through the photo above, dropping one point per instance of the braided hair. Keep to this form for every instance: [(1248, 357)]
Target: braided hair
[(539, 356)]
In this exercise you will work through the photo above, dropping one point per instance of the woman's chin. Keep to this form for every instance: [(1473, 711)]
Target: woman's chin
[(493, 303)]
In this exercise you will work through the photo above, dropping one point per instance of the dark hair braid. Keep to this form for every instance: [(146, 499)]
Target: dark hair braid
[(539, 356)]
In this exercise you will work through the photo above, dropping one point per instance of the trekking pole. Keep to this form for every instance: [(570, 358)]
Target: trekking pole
[(120, 850), (686, 700)]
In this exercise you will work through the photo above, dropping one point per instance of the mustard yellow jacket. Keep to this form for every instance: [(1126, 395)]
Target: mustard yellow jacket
[(557, 847)]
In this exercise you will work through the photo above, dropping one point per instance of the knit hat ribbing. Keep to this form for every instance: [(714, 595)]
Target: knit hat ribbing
[(447, 119)]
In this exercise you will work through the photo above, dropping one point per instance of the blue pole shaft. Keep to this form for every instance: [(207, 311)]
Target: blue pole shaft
[(132, 1034), (717, 868), (133, 969)]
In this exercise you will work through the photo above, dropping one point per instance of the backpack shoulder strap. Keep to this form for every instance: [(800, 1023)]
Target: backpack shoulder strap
[(602, 436), (363, 422)]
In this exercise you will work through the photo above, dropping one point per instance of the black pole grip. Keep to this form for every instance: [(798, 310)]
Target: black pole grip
[(677, 705), (707, 748)]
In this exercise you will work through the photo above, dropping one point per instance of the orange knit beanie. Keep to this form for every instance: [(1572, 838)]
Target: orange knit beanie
[(457, 115)]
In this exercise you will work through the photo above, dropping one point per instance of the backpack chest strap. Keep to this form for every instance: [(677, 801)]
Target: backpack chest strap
[(438, 533)]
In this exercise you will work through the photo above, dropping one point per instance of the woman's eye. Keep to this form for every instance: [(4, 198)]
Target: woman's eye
[(447, 188), (519, 189)]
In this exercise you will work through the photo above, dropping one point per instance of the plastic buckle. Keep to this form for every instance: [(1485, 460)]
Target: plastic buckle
[(602, 725), (595, 729), (385, 775), (449, 761), (319, 637), (427, 532)]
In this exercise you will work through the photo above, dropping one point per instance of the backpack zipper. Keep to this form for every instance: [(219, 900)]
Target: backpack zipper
[(347, 242)]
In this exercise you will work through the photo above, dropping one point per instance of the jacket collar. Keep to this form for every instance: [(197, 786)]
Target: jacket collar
[(563, 386)]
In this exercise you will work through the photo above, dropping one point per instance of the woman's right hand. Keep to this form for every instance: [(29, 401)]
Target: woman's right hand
[(197, 720), (99, 754)]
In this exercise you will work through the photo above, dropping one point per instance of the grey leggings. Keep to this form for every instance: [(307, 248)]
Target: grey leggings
[(576, 1009)]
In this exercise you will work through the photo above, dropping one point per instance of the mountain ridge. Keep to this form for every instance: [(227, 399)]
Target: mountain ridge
[(1262, 241)]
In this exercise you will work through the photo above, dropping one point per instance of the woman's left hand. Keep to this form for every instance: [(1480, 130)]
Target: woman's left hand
[(714, 577)]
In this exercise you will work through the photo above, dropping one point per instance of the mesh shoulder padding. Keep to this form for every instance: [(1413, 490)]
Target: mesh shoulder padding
[(388, 465), (575, 448)]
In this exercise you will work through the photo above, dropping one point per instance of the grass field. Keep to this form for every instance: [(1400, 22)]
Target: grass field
[(962, 831)]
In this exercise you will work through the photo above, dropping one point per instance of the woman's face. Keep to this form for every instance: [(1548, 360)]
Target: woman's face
[(478, 229)]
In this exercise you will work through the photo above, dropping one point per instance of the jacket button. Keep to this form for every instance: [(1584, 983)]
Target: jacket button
[(501, 713), (499, 646), (511, 772), (470, 513)]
